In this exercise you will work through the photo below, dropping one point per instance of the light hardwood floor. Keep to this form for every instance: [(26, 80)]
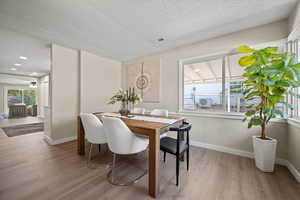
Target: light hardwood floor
[(19, 121), (31, 169)]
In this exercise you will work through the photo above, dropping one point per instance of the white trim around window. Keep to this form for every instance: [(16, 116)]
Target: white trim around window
[(12, 87), (204, 58)]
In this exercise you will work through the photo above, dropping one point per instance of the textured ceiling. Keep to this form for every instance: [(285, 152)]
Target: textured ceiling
[(126, 29), (13, 45)]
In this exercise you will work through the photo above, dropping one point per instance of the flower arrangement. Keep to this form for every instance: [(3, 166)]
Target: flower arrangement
[(125, 97), (120, 96)]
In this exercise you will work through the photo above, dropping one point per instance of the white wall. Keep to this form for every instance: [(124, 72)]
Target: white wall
[(64, 91), (294, 145), (48, 123), (233, 133), (79, 82), (100, 79), (227, 132), (43, 94), (1, 98)]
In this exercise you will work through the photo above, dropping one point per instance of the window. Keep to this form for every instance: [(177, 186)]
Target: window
[(293, 46), (213, 84), (21, 96), (14, 96), (29, 97)]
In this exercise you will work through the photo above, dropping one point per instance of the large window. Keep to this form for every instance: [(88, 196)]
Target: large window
[(21, 96), (14, 96), (213, 84)]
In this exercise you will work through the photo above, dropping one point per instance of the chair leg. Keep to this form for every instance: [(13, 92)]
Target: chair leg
[(90, 154), (187, 158), (113, 166), (164, 156), (114, 180), (182, 158), (99, 147), (177, 169)]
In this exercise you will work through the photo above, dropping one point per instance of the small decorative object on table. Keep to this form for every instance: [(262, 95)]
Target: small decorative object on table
[(127, 98)]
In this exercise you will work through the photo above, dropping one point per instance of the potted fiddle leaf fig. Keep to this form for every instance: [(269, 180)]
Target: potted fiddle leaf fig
[(269, 77)]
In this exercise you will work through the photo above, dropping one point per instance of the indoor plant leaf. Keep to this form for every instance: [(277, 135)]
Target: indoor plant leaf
[(244, 49), (247, 60)]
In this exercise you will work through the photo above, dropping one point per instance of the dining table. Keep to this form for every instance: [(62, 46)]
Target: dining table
[(141, 124)]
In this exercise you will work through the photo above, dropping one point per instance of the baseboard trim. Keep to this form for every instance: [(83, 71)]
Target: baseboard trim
[(247, 154), (48, 139), (293, 170), (222, 149), (59, 141)]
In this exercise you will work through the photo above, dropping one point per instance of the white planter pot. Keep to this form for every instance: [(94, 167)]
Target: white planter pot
[(264, 153)]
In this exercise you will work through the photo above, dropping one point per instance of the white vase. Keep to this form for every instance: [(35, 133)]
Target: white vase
[(264, 153)]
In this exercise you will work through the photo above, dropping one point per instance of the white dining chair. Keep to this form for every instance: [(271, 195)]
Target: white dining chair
[(121, 141), (160, 112), (138, 110), (94, 131)]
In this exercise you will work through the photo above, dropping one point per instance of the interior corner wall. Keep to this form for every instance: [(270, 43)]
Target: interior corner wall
[(64, 91)]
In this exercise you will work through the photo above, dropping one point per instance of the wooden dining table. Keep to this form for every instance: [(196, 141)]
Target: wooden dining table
[(151, 128)]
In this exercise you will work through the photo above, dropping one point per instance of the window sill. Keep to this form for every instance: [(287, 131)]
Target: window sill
[(294, 122), (222, 115)]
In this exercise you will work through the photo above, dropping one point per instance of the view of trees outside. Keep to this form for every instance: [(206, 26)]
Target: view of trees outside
[(17, 96), (29, 97), (14, 97)]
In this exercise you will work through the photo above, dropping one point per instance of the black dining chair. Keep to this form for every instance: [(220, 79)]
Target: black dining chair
[(177, 146)]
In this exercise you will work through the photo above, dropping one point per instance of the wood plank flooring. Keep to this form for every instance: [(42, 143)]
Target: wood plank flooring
[(19, 121), (31, 169)]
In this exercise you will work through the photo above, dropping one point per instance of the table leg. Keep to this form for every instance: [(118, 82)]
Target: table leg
[(154, 160), (80, 137)]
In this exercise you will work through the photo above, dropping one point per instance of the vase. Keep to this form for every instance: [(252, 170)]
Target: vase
[(264, 153), (124, 109)]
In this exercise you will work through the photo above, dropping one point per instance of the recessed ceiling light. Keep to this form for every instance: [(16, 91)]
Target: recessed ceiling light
[(34, 74), (197, 70), (13, 69), (23, 57), (17, 64)]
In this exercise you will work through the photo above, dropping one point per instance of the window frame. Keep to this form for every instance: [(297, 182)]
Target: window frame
[(22, 88), (182, 62), (207, 57), (293, 45)]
